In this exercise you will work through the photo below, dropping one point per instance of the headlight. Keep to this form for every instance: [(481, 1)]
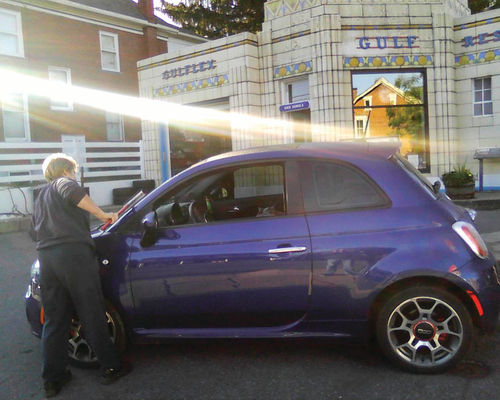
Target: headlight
[(34, 287), (35, 270)]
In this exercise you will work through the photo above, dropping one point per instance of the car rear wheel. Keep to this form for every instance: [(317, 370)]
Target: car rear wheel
[(79, 351), (424, 329)]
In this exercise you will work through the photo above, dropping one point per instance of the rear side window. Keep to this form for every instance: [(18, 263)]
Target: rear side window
[(334, 186)]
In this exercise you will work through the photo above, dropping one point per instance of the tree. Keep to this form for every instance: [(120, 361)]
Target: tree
[(217, 18), (481, 5), (408, 121)]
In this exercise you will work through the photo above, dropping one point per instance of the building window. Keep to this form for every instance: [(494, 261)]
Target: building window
[(298, 91), (188, 145), (361, 126), (110, 57), (15, 117), (483, 104), (60, 75), (114, 127), (389, 106), (11, 34)]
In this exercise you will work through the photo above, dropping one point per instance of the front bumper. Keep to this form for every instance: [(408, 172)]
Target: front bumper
[(482, 277)]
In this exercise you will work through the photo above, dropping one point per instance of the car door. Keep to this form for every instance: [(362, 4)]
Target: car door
[(352, 228), (230, 268)]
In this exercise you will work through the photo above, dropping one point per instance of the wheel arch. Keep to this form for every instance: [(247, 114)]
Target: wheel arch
[(443, 283)]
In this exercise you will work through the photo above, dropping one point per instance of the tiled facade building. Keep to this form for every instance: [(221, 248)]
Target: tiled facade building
[(310, 61)]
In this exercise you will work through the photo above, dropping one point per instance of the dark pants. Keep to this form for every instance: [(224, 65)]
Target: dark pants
[(69, 281)]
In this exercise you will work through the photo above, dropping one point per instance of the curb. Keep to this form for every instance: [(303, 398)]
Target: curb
[(16, 224), (479, 204)]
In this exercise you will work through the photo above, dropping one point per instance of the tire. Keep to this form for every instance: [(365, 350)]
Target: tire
[(424, 329), (79, 351)]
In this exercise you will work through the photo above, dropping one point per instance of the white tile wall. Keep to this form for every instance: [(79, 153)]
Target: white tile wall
[(454, 133)]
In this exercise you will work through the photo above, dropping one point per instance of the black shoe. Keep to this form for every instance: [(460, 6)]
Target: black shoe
[(111, 375), (52, 388)]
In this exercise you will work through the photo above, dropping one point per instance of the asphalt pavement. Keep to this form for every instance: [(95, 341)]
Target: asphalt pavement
[(488, 223), (236, 369)]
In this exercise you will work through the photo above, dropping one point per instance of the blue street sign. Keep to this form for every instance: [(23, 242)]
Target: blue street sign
[(301, 105)]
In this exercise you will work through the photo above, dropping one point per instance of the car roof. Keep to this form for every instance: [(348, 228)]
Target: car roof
[(344, 150)]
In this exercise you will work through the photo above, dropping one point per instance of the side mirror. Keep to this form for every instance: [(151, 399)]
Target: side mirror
[(436, 186), (150, 229)]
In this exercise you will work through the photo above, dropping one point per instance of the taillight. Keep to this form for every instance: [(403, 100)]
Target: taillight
[(472, 237)]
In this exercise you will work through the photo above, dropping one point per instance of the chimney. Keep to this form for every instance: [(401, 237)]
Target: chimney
[(153, 46), (147, 9)]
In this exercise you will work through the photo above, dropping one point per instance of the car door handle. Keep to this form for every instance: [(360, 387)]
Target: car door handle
[(287, 250)]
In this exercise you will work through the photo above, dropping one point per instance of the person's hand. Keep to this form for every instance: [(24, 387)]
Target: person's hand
[(105, 217)]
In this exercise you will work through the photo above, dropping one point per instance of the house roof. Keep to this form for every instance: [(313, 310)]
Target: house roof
[(123, 7), (385, 82)]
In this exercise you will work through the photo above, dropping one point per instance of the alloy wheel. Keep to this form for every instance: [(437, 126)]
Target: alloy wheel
[(425, 331), (78, 347)]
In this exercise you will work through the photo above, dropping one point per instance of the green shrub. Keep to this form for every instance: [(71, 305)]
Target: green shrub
[(460, 176)]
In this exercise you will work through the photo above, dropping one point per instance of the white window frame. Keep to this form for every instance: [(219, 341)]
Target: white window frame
[(26, 119), (120, 121), (286, 87), (117, 51), (18, 34), (366, 127), (482, 102), (69, 104)]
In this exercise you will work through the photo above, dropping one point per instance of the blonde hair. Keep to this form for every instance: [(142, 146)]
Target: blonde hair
[(55, 165)]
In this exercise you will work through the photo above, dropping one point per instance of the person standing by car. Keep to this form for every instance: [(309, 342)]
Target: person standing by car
[(69, 274)]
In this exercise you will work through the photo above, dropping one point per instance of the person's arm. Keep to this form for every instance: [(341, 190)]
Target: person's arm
[(88, 204)]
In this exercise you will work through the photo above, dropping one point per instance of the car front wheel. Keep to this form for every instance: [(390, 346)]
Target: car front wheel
[(79, 350), (424, 329)]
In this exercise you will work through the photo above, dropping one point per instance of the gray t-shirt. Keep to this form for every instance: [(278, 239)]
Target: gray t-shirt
[(56, 217)]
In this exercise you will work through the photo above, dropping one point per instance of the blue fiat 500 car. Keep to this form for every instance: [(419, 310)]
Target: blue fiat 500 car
[(341, 240)]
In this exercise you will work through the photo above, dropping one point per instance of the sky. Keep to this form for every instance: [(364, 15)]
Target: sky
[(157, 3), (364, 81)]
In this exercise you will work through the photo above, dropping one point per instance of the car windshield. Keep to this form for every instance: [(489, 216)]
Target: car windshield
[(414, 173), (132, 201)]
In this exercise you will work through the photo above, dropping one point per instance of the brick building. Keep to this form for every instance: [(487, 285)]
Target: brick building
[(89, 43), (93, 44)]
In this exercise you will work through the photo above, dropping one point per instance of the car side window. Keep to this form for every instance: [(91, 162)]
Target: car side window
[(337, 186), (244, 192)]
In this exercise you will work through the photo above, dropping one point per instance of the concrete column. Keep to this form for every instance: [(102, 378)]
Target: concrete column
[(442, 110)]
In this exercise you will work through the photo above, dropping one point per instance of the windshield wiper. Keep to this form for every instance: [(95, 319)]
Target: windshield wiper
[(129, 204)]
